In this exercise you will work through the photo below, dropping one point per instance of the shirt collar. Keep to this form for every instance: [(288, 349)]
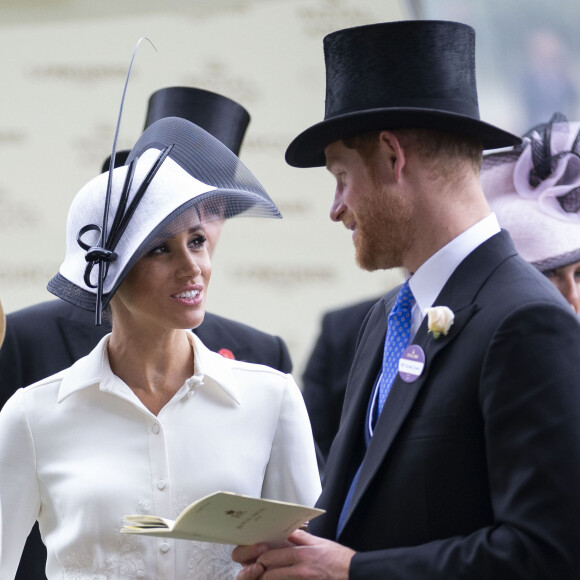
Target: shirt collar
[(214, 369), (429, 279), (84, 373), (210, 370)]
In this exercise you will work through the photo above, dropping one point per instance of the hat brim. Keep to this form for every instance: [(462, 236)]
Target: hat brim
[(556, 262), (307, 150)]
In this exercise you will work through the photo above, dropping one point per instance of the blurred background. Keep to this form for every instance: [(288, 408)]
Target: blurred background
[(63, 68)]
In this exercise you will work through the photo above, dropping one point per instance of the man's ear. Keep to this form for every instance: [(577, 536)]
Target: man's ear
[(393, 152)]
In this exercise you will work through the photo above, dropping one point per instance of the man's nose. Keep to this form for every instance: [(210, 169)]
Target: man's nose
[(337, 208)]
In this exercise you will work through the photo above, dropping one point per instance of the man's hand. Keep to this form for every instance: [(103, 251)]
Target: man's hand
[(303, 556)]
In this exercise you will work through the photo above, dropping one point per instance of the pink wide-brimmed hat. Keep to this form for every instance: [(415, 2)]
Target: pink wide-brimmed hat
[(534, 190)]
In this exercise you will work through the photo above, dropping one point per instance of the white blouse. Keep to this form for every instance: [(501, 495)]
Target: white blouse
[(79, 450)]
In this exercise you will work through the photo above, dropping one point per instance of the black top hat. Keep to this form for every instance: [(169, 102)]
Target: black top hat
[(398, 75), (220, 116)]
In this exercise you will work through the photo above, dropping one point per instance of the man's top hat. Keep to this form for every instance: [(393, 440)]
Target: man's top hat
[(220, 116), (398, 75)]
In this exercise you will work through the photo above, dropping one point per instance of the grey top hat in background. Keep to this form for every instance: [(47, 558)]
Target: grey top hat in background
[(398, 75), (220, 116)]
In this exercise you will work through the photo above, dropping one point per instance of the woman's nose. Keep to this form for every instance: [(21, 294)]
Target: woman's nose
[(188, 263), (569, 286), (572, 294)]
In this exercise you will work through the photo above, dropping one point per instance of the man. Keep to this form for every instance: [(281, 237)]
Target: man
[(472, 467), (48, 337)]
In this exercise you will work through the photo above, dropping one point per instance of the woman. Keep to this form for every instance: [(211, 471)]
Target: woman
[(150, 420), (534, 189)]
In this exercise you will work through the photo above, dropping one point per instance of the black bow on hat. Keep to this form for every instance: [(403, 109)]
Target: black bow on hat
[(398, 75)]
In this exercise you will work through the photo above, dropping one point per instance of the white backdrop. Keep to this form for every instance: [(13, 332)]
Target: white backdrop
[(63, 69)]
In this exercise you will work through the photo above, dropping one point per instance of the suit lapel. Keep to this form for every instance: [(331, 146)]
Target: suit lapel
[(216, 336), (79, 332), (347, 448), (401, 399), (459, 294)]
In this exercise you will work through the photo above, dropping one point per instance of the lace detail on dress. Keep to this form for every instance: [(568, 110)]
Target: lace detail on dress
[(123, 560), (124, 556), (207, 561), (181, 501), (211, 562)]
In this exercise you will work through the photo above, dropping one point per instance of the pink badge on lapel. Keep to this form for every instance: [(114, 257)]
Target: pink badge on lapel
[(411, 363), (226, 353)]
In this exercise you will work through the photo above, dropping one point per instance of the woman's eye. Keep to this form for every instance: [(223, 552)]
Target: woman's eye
[(198, 241), (158, 250)]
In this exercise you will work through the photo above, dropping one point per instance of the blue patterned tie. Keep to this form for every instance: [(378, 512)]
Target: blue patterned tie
[(397, 339)]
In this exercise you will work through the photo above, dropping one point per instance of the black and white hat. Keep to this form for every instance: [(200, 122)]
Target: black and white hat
[(177, 175)]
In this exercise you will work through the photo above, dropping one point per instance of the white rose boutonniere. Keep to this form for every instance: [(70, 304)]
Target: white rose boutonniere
[(439, 320)]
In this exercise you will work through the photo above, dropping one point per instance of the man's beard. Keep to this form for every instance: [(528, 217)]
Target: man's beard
[(384, 234)]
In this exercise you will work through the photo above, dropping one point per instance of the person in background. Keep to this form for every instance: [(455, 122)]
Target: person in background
[(458, 452), (549, 81), (45, 338), (151, 419), (326, 371), (534, 189)]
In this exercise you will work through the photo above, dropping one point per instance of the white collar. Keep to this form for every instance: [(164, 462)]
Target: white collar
[(210, 369), (428, 281)]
